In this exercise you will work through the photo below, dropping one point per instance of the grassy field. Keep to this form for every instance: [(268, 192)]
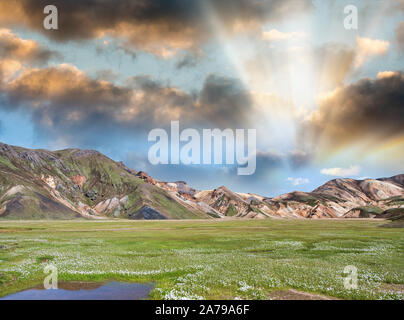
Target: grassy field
[(208, 259)]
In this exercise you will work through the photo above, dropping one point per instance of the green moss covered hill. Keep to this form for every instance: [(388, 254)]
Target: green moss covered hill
[(72, 183)]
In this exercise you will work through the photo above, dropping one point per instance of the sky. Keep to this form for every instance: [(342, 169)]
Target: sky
[(327, 102)]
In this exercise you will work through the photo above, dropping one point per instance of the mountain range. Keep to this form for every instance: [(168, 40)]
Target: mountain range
[(74, 183)]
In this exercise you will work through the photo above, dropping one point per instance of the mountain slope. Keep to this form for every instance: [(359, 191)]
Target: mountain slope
[(338, 198), (72, 183), (343, 198)]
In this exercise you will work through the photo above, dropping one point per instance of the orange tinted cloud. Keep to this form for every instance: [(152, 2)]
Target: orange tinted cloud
[(12, 46), (161, 27), (66, 102), (369, 47), (15, 53)]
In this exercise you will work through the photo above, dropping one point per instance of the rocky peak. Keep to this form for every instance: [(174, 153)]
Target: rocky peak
[(145, 177), (7, 150), (398, 180), (127, 169)]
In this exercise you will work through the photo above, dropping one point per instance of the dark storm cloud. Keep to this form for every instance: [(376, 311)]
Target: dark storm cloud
[(222, 102), (157, 26), (65, 103), (225, 102), (365, 110)]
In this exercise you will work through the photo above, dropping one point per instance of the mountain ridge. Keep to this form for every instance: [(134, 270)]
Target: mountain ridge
[(74, 183)]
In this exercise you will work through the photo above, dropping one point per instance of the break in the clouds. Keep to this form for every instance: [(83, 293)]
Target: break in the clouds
[(161, 27), (335, 61), (303, 71)]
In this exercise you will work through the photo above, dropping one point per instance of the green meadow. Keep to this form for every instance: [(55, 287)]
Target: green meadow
[(230, 259)]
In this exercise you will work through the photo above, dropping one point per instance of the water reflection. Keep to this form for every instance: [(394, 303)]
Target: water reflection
[(86, 291)]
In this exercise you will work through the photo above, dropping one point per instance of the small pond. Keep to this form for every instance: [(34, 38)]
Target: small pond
[(86, 291)]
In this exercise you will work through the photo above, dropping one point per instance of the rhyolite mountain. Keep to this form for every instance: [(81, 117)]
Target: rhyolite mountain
[(73, 183), (40, 184)]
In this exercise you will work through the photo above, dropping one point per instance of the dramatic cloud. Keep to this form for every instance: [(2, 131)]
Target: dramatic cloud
[(67, 87), (222, 102), (368, 48), (342, 172), (160, 26), (225, 102), (67, 102), (16, 53), (13, 47), (369, 109), (387, 74), (8, 68)]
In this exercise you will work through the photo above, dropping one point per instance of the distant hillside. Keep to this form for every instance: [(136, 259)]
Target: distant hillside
[(73, 183), (340, 198), (347, 198)]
